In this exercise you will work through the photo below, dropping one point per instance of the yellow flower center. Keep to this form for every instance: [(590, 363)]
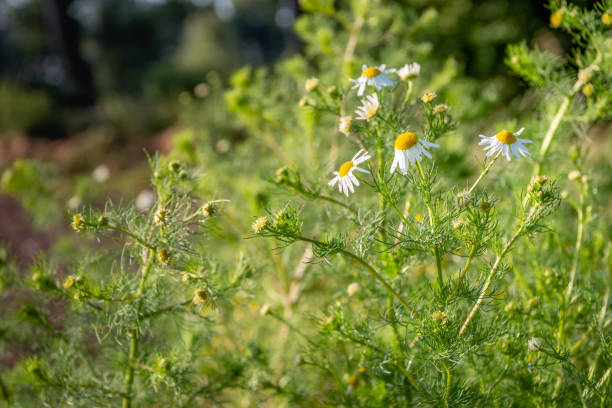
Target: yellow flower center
[(556, 18), (606, 18), (405, 141), (371, 72), (506, 137), (345, 168)]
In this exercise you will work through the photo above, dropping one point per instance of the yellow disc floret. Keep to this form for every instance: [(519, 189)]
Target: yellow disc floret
[(405, 141), (371, 72), (506, 137), (556, 19), (345, 168)]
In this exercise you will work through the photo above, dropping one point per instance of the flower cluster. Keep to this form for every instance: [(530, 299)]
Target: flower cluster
[(409, 147)]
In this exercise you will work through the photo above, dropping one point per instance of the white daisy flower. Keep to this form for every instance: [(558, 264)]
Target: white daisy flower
[(344, 175), (409, 71), (369, 107), (505, 141), (344, 126), (373, 76), (409, 149)]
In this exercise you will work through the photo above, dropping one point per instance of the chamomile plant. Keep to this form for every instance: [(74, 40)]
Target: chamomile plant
[(439, 290), (132, 321)]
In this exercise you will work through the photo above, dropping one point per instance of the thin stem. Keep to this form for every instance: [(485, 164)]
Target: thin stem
[(577, 249), (129, 370), (484, 172), (340, 203), (292, 327), (412, 381), (492, 272), (554, 124), (448, 385), (550, 133), (129, 234), (372, 271), (433, 223), (464, 270), (403, 217)]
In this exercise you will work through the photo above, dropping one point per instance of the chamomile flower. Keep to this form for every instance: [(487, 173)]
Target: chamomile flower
[(409, 149), (373, 76), (409, 71), (505, 142), (463, 198), (344, 176), (344, 125), (369, 107)]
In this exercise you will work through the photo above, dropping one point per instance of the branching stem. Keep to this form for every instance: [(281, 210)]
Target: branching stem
[(492, 272), (129, 369), (484, 172)]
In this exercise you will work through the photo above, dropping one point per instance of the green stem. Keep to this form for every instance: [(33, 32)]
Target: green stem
[(129, 234), (433, 224), (372, 271), (404, 220), (464, 271), (484, 172), (550, 133), (292, 327), (129, 370), (492, 272), (577, 249), (412, 381), (448, 385), (340, 203)]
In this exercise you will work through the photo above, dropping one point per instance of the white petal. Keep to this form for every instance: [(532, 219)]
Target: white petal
[(333, 181), (361, 170), (394, 164), (518, 133), (425, 142)]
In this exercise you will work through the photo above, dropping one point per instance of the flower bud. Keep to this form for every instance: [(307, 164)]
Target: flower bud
[(573, 175), (311, 84), (209, 209), (260, 224), (441, 108), (588, 89), (174, 166), (164, 256), (352, 289), (265, 309), (534, 344), (428, 97), (556, 18), (200, 296), (161, 217), (78, 223)]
